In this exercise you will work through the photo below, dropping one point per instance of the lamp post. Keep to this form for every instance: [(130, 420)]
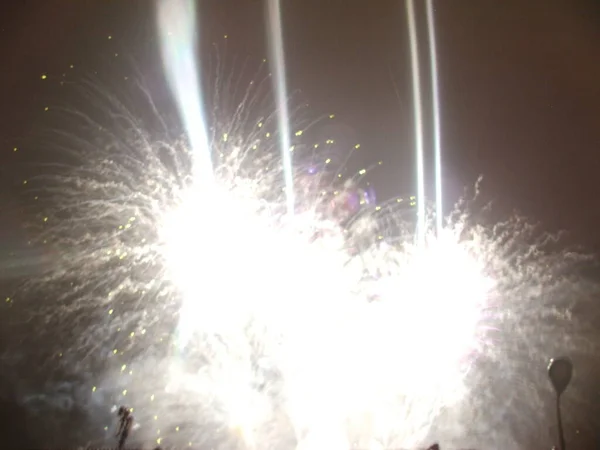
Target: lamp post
[(560, 371)]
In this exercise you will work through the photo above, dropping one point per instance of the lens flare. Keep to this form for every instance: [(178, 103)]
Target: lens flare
[(228, 323)]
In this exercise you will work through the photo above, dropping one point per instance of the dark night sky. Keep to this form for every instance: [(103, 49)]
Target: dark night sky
[(518, 81), (519, 84)]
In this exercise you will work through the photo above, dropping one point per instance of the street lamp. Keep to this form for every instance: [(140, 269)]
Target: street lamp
[(560, 371)]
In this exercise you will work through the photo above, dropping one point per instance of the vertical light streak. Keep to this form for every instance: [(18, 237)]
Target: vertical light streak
[(178, 34), (418, 118), (439, 210), (277, 56), (176, 21)]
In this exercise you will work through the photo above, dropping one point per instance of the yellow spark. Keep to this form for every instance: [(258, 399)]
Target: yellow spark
[(132, 334), (362, 171), (357, 146), (46, 108), (332, 116), (125, 392), (123, 367), (110, 311), (328, 160), (299, 133), (43, 77), (45, 219), (94, 389), (115, 351), (15, 149), (152, 398)]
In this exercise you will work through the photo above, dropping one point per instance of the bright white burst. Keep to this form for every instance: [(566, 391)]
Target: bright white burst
[(226, 323)]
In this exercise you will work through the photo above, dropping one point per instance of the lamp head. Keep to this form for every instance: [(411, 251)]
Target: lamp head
[(560, 371)]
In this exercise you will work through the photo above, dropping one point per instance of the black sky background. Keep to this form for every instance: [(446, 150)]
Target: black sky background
[(519, 85)]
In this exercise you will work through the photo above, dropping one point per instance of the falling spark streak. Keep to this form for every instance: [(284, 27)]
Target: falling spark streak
[(276, 50), (418, 118), (439, 201), (177, 29)]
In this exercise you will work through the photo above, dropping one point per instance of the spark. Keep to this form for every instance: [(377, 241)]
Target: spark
[(258, 303), (231, 323)]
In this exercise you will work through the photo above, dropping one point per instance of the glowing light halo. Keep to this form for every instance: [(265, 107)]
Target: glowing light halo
[(301, 321)]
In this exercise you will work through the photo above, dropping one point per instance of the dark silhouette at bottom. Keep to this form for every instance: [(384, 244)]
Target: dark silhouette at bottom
[(125, 426)]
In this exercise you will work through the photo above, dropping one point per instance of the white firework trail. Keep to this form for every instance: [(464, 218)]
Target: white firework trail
[(226, 323)]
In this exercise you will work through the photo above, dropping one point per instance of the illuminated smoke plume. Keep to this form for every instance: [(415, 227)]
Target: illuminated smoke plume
[(226, 323)]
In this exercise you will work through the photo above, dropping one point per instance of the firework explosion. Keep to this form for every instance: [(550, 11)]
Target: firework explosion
[(226, 323)]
